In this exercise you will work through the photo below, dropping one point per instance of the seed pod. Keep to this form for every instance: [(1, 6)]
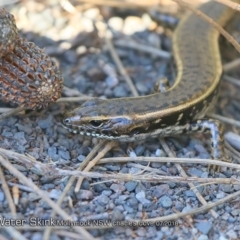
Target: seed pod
[(8, 32), (28, 76)]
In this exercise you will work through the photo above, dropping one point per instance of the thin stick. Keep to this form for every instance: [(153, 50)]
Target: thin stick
[(225, 119), (120, 66), (12, 112), (8, 194), (232, 80), (172, 160), (91, 164), (141, 47), (231, 65)]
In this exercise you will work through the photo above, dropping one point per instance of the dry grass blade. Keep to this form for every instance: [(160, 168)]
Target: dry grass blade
[(233, 151), (121, 67), (232, 80), (12, 112), (147, 177), (231, 65), (91, 164), (73, 99), (8, 194), (24, 188), (141, 47), (225, 119), (172, 160)]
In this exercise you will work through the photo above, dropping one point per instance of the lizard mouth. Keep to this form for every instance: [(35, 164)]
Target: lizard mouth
[(84, 132)]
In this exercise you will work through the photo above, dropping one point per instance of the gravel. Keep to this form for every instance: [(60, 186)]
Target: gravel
[(80, 54)]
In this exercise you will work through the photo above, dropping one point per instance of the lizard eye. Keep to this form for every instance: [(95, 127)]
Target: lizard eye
[(67, 121), (96, 123)]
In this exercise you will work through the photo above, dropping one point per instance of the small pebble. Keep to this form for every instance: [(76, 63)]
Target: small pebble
[(64, 154), (55, 193), (116, 215), (203, 237), (45, 123), (140, 196), (204, 227), (2, 196), (130, 186), (232, 234), (84, 195), (117, 188), (103, 200), (165, 201), (160, 190), (189, 193)]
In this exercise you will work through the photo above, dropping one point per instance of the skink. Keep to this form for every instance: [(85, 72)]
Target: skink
[(180, 109)]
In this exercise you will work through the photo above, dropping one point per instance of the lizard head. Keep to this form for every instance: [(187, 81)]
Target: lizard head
[(101, 119)]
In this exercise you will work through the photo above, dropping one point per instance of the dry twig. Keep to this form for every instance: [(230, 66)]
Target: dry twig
[(8, 194)]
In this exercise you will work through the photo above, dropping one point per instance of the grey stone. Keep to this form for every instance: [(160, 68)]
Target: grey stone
[(203, 237), (140, 187), (130, 186), (112, 167), (116, 215), (118, 188), (133, 202), (7, 134), (33, 196), (103, 200), (235, 212), (189, 193), (107, 192), (121, 200), (45, 123), (84, 195), (227, 188), (204, 227), (37, 236), (120, 91), (52, 151), (81, 158), (140, 196), (232, 234), (139, 150), (64, 154), (165, 201), (195, 172), (111, 81), (2, 196), (160, 190), (55, 193), (20, 136)]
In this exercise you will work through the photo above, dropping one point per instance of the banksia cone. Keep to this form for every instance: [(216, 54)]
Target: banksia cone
[(8, 32), (28, 77)]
